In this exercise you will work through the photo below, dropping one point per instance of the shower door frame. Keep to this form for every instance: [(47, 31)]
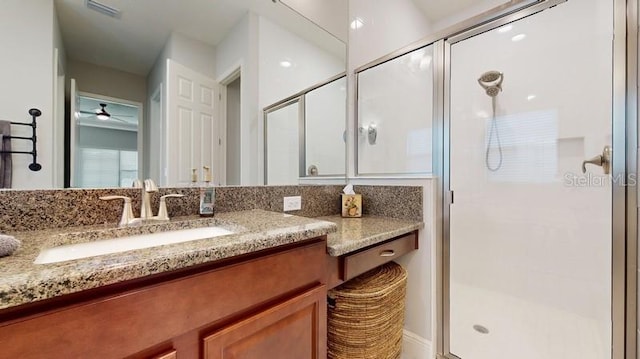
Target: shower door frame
[(624, 198)]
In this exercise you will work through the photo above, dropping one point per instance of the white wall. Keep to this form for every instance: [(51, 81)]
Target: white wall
[(386, 26), (26, 67), (57, 40), (233, 132), (194, 54), (309, 64), (106, 81), (239, 50), (331, 15), (58, 104)]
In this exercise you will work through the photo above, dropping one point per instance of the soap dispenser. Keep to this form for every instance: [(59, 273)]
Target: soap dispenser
[(207, 195)]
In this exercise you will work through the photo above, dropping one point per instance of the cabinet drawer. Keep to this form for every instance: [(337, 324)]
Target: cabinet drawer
[(367, 259)]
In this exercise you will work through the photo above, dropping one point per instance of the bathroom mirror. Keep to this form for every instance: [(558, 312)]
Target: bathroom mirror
[(183, 83), (305, 135)]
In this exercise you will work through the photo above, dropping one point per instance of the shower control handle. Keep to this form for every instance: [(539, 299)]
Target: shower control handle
[(603, 160)]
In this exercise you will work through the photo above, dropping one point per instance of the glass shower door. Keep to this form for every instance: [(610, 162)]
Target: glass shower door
[(530, 234)]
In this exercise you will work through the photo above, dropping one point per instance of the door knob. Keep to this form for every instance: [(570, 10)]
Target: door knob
[(603, 160)]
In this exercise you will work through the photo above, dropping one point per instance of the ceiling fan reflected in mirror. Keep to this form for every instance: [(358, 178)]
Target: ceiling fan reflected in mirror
[(102, 114)]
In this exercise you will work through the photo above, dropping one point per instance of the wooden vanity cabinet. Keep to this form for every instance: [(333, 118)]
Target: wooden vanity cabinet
[(272, 302)]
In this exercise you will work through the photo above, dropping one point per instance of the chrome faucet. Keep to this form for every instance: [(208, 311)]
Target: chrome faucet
[(147, 186)]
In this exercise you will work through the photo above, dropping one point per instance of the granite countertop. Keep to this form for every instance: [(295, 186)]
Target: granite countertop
[(358, 233), (23, 282)]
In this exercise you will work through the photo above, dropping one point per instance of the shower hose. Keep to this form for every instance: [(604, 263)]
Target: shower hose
[(494, 128)]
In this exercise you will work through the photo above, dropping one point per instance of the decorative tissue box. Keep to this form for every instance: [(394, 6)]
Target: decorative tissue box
[(352, 205)]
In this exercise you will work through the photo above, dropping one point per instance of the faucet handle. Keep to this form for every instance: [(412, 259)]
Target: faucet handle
[(127, 212), (136, 183), (163, 215), (150, 186)]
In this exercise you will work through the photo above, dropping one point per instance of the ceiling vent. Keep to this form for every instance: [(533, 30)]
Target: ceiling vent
[(103, 9)]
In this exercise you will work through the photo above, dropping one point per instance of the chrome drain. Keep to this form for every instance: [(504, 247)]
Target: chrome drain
[(481, 329)]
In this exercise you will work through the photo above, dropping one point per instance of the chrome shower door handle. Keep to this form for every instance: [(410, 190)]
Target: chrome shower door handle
[(603, 160)]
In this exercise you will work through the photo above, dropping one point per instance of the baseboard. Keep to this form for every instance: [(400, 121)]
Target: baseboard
[(415, 346)]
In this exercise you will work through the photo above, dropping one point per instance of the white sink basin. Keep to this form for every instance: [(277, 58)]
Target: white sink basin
[(122, 244)]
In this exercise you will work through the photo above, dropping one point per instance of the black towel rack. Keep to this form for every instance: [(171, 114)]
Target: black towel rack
[(34, 112)]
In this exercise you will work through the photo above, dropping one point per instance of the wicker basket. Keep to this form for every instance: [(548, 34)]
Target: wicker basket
[(366, 315)]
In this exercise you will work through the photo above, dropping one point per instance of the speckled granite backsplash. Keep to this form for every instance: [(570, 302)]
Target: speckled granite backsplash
[(47, 209), (404, 202)]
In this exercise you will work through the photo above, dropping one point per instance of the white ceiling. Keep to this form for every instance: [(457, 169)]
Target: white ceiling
[(133, 42)]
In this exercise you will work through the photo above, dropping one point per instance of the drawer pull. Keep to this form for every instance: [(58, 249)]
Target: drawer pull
[(387, 253)]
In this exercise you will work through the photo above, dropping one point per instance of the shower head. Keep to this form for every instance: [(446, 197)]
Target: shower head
[(491, 82), (490, 76)]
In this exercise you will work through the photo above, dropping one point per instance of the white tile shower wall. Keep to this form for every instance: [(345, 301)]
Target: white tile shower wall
[(26, 67), (524, 231)]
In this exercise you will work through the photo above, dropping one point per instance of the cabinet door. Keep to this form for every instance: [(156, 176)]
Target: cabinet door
[(294, 329)]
